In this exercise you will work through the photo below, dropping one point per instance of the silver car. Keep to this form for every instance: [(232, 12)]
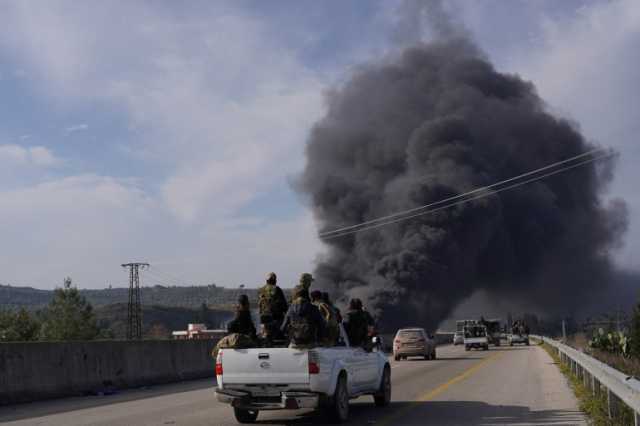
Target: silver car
[(458, 338), (413, 342)]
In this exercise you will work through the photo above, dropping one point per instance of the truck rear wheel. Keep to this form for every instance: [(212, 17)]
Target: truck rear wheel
[(383, 396), (339, 406), (245, 416)]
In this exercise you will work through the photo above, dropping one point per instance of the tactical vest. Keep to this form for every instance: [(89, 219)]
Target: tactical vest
[(301, 330)]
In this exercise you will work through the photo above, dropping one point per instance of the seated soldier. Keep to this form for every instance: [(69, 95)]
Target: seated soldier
[(356, 324), (332, 332), (303, 322), (242, 323), (327, 300)]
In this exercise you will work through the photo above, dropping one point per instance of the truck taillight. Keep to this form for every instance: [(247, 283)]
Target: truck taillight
[(314, 368), (219, 364)]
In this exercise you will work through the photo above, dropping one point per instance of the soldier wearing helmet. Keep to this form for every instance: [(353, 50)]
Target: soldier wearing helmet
[(272, 306), (302, 289)]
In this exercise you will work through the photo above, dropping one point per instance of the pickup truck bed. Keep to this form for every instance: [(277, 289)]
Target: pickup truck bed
[(252, 380)]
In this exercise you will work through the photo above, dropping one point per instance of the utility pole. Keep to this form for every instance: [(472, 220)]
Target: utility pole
[(134, 316)]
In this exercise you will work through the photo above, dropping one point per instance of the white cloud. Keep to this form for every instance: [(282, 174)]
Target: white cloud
[(212, 94), (12, 155), (76, 128), (86, 226), (216, 103)]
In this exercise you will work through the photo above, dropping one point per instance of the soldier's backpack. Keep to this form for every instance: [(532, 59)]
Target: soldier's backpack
[(300, 331), (267, 300)]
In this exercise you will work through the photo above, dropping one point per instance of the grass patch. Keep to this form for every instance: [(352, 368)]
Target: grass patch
[(594, 406)]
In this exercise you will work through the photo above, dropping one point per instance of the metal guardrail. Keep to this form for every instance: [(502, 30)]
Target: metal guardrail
[(599, 377)]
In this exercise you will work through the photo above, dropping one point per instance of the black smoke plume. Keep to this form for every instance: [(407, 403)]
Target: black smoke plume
[(436, 121)]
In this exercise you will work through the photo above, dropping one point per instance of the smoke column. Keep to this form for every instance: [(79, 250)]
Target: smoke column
[(431, 122)]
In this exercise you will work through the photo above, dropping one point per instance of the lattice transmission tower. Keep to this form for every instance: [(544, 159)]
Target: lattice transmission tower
[(134, 316)]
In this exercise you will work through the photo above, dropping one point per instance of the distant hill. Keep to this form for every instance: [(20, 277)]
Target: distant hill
[(159, 321), (185, 297)]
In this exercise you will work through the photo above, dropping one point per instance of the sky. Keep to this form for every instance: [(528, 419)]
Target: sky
[(171, 133)]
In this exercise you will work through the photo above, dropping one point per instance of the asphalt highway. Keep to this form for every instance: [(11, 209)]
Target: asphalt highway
[(503, 386)]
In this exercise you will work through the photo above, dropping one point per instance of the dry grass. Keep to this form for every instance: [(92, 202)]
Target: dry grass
[(629, 366)]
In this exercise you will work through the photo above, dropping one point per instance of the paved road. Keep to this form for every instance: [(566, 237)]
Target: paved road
[(504, 386)]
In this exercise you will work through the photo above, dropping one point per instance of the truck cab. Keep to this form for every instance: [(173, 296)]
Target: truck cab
[(279, 378)]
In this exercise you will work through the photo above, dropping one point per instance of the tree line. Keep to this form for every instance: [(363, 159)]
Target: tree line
[(68, 316)]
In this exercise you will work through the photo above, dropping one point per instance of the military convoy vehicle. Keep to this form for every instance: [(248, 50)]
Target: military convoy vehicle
[(253, 380)]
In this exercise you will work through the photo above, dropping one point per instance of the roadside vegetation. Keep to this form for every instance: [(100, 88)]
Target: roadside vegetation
[(616, 346), (594, 406), (70, 316)]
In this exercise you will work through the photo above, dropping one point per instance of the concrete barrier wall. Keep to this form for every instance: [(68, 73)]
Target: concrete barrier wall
[(31, 371)]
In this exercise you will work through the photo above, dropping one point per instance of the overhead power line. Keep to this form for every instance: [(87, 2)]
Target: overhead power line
[(455, 197), (481, 192)]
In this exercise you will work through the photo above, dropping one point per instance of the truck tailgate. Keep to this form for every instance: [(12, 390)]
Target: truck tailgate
[(265, 366)]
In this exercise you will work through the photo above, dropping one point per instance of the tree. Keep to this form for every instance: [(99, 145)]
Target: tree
[(69, 316), (18, 326)]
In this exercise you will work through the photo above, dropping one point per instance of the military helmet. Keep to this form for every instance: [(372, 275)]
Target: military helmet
[(306, 279)]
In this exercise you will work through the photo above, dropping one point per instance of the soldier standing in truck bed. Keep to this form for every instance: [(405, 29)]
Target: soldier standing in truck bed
[(272, 306)]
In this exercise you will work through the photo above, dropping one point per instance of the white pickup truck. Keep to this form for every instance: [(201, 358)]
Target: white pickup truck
[(251, 380), (475, 336)]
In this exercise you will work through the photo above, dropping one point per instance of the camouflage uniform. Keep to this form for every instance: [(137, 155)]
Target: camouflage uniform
[(303, 323), (332, 332), (359, 325), (272, 306)]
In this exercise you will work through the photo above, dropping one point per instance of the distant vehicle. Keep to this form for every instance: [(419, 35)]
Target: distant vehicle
[(252, 380), (475, 336), (514, 339), (493, 331), (458, 338), (413, 342), (519, 334)]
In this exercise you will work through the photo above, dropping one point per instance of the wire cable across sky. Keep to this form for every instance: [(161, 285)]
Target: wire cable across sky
[(475, 194)]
